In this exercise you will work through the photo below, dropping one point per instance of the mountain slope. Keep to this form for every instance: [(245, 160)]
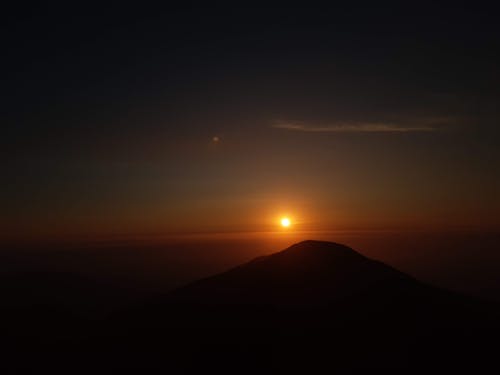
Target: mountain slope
[(314, 307), (306, 274)]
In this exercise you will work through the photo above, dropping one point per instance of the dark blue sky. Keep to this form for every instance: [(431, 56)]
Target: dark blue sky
[(356, 116)]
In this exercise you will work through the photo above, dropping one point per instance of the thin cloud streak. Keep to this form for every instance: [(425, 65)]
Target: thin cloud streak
[(367, 127)]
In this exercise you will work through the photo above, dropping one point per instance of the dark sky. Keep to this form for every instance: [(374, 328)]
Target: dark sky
[(346, 117)]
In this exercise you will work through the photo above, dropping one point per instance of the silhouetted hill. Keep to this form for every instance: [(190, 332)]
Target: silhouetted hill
[(314, 307), (306, 274)]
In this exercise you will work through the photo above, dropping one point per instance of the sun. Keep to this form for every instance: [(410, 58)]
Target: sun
[(285, 222)]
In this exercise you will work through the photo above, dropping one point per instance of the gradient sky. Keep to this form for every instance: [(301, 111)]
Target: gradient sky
[(360, 117)]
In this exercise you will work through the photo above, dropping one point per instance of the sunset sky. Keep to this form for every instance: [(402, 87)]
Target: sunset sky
[(143, 121)]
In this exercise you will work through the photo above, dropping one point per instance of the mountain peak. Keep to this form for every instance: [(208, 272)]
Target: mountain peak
[(320, 248), (306, 272), (314, 243)]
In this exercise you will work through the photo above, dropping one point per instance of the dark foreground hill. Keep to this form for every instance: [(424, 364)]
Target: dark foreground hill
[(311, 308)]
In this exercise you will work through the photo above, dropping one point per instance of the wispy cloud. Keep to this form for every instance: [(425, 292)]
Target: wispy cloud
[(356, 127)]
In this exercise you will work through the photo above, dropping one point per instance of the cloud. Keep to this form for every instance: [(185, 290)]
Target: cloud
[(359, 127)]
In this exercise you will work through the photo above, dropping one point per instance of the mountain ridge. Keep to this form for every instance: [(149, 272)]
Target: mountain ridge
[(293, 273), (318, 305), (313, 307)]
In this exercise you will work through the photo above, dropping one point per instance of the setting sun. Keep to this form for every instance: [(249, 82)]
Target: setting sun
[(285, 222)]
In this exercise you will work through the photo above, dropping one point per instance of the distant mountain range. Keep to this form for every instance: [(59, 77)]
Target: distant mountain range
[(314, 307)]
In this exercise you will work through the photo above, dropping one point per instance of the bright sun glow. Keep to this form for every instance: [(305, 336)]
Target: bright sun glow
[(285, 222)]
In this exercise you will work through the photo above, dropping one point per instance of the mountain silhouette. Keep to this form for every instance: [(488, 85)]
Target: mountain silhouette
[(314, 307), (307, 274)]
